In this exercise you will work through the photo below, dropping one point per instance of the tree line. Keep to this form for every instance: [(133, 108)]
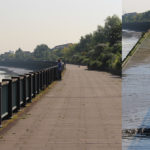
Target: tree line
[(100, 50), (136, 21)]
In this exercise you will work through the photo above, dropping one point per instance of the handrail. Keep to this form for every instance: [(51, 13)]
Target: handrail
[(20, 90)]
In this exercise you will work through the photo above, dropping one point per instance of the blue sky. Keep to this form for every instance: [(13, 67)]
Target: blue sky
[(27, 23)]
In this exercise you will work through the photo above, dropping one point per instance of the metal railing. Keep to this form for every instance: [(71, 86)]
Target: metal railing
[(18, 91)]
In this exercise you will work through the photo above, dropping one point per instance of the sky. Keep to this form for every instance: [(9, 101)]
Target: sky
[(27, 23), (135, 6)]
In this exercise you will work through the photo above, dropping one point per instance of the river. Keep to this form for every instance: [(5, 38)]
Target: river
[(8, 72), (129, 39), (135, 97)]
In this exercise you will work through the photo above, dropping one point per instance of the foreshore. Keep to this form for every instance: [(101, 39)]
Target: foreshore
[(134, 49), (8, 72)]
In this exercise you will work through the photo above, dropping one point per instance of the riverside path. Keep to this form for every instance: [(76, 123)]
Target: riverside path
[(81, 112)]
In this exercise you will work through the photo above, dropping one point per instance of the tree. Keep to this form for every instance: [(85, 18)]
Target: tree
[(42, 52), (113, 29)]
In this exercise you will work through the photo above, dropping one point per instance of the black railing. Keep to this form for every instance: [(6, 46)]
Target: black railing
[(18, 91)]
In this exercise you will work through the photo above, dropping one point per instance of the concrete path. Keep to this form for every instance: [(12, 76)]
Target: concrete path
[(81, 112)]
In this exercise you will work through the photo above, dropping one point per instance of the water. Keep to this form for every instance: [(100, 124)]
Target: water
[(135, 101), (8, 72), (129, 39)]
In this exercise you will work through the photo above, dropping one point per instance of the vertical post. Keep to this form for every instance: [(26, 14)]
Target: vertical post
[(52, 75), (35, 84), (46, 78), (38, 82), (42, 80), (55, 73), (0, 105), (10, 112), (30, 87), (49, 80), (25, 91), (18, 92)]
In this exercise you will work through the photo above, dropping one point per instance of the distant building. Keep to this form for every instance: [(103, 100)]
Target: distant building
[(59, 47), (130, 14)]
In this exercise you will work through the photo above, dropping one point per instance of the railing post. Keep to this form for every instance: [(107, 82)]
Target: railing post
[(35, 84), (42, 81), (55, 73), (19, 94), (30, 87), (49, 80), (10, 111), (19, 91), (38, 82), (51, 75), (46, 78), (25, 91), (0, 105), (10, 99)]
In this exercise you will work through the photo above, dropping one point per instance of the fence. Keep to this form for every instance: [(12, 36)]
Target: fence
[(18, 91)]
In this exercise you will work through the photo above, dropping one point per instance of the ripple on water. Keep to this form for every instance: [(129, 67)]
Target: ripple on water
[(136, 105)]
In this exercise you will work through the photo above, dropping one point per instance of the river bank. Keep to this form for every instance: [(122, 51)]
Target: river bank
[(129, 39), (134, 48), (135, 97), (8, 72)]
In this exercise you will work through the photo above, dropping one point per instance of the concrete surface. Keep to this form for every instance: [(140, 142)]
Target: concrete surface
[(81, 112)]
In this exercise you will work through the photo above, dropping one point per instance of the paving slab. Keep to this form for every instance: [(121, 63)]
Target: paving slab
[(81, 112)]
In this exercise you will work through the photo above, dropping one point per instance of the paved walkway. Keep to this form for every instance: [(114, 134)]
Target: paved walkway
[(81, 112)]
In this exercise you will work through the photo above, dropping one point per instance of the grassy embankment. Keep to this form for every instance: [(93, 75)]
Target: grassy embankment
[(133, 50)]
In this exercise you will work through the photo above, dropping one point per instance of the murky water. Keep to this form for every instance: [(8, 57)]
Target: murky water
[(136, 104), (8, 72), (129, 39)]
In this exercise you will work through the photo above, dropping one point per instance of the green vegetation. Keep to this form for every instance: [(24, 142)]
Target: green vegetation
[(41, 52), (100, 50), (136, 17), (136, 21)]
